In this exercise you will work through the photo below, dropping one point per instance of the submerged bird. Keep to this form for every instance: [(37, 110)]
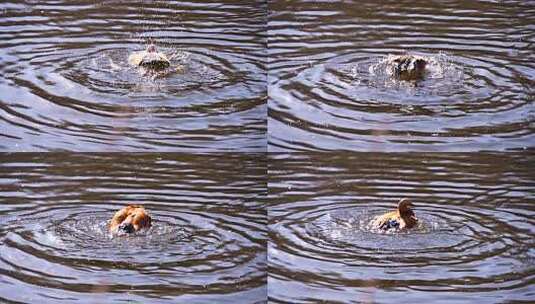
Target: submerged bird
[(409, 67), (149, 58), (130, 219), (400, 219)]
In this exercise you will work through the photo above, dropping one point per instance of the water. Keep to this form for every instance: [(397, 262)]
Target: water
[(84, 132), (474, 242), (329, 88), (66, 84), (207, 243)]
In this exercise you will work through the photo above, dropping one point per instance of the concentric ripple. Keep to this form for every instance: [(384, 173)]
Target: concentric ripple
[(474, 239), (207, 243), (69, 86), (330, 86)]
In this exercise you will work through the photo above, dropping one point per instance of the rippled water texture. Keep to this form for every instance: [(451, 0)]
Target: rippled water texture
[(329, 87), (475, 241), (207, 243), (65, 82)]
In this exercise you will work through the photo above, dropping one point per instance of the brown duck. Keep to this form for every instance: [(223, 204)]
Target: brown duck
[(130, 219), (400, 219), (409, 67)]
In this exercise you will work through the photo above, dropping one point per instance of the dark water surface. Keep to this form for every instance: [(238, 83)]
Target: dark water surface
[(329, 90), (65, 83), (207, 243), (311, 84), (475, 242)]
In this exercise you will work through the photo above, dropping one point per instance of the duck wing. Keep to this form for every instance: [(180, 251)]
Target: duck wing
[(383, 221)]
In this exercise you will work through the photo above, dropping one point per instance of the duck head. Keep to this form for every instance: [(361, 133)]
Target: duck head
[(405, 205), (420, 64)]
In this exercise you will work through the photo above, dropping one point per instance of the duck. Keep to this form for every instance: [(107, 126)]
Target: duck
[(150, 58), (130, 219), (409, 67), (400, 219)]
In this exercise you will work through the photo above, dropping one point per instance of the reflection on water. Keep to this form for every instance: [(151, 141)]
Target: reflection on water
[(66, 83), (207, 243), (475, 239), (329, 86)]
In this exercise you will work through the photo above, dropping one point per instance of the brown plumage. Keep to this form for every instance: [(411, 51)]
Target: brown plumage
[(402, 218), (130, 219), (409, 67)]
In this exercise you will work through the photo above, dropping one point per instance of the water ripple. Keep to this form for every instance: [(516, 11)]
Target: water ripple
[(66, 83), (207, 242), (474, 233), (330, 88)]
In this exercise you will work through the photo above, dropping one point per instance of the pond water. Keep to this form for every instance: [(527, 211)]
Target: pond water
[(474, 243), (65, 82), (329, 88), (207, 243), (249, 151)]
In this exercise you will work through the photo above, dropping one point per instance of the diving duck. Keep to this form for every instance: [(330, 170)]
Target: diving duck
[(400, 219), (150, 58), (409, 67), (130, 219)]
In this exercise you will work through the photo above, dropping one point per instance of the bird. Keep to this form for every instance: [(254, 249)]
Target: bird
[(400, 219), (150, 58), (129, 219), (409, 67)]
